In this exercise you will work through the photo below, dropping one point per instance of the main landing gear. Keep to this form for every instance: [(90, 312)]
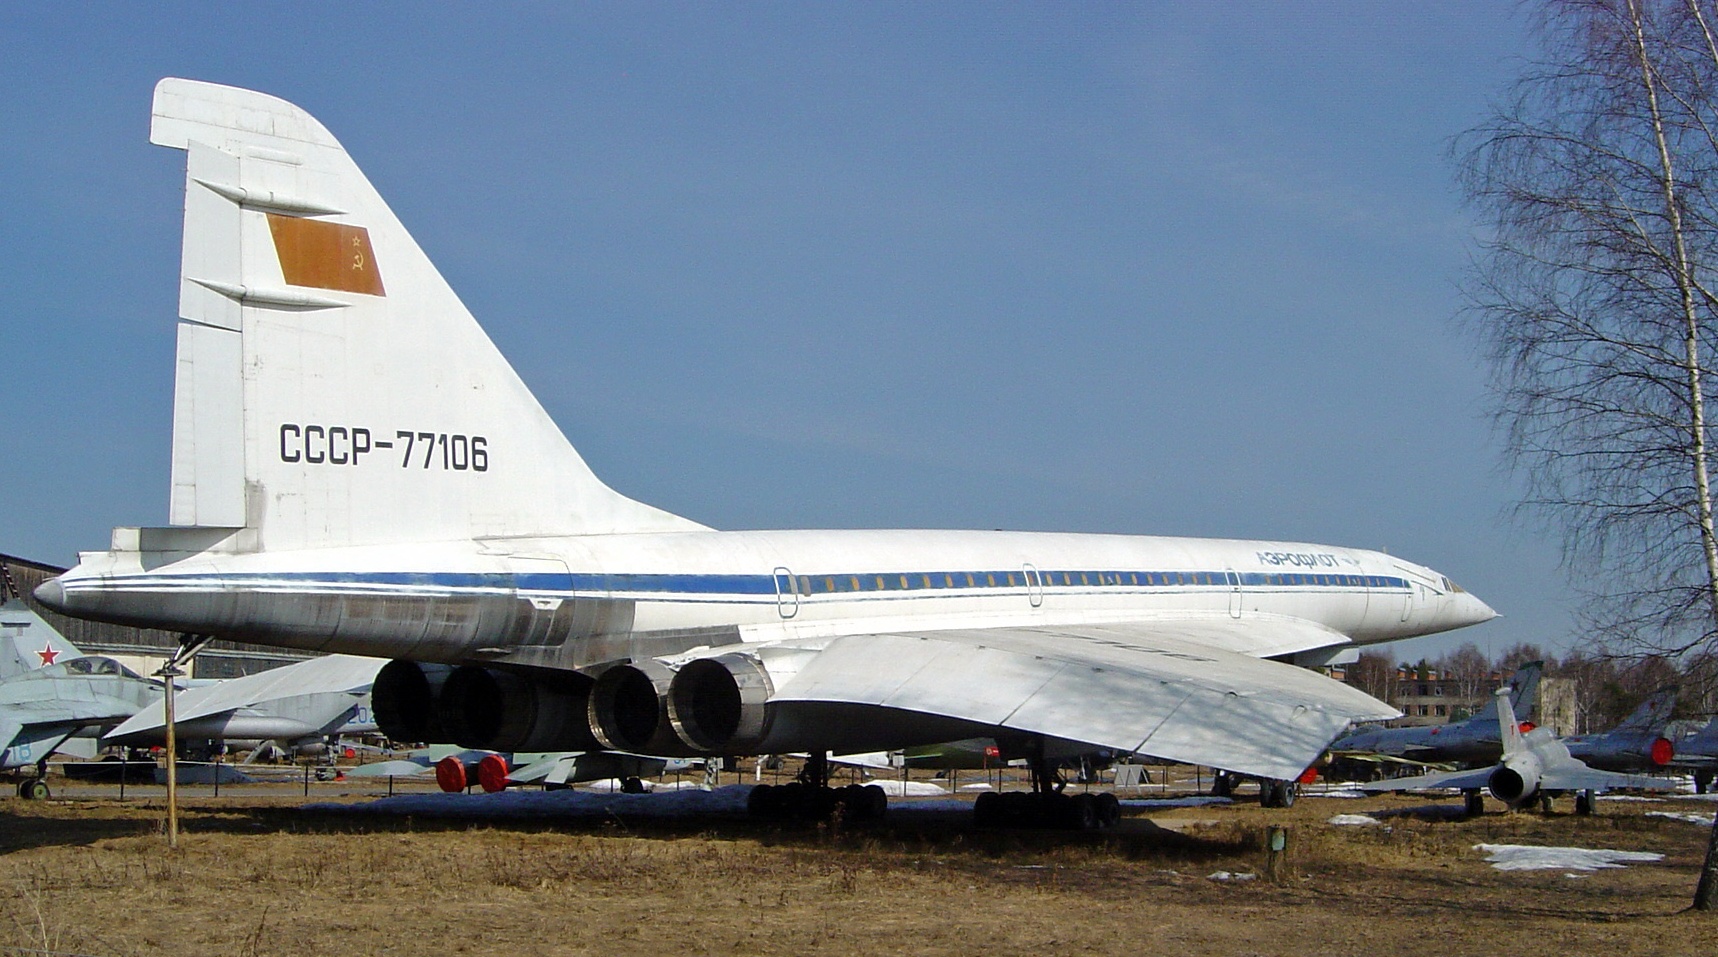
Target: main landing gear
[(810, 798), (35, 788), (1272, 793), (1045, 805)]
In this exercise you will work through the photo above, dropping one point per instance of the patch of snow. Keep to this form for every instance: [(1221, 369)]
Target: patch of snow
[(915, 789), (1523, 857), (1230, 876), (976, 787), (1704, 820), (1628, 797), (1353, 820), (612, 786)]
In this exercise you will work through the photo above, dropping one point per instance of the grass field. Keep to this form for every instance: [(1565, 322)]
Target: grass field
[(259, 876)]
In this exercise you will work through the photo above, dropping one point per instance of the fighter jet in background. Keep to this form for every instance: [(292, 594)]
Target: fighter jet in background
[(301, 706), (51, 692), (1638, 743), (1535, 766), (1471, 741)]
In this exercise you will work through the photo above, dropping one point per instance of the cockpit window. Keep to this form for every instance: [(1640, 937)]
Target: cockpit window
[(1452, 587), (96, 665)]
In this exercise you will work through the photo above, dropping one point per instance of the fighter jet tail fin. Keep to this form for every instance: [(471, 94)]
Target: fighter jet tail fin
[(27, 642), (331, 388), (1508, 727)]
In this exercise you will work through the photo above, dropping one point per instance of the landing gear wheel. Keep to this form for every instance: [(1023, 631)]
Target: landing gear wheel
[(987, 810), (35, 789), (1109, 810), (1223, 784), (1082, 813), (1544, 803), (1585, 801), (1702, 782), (1474, 803), (1278, 793), (631, 786)]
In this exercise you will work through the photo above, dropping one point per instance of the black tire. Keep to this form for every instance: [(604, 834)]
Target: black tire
[(1287, 791), (1109, 810), (1702, 782), (987, 810), (1223, 785), (877, 804), (1082, 813), (631, 786), (1474, 803), (1270, 794), (762, 802), (34, 789)]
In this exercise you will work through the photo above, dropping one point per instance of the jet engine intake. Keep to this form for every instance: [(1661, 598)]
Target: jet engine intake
[(404, 700), (720, 705), (503, 711), (629, 709)]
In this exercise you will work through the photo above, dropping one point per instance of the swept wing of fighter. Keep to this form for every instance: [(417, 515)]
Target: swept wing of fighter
[(357, 469), (1535, 766), (300, 705)]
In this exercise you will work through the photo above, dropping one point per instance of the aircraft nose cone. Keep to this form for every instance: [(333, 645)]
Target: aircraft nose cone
[(1472, 611), (52, 594)]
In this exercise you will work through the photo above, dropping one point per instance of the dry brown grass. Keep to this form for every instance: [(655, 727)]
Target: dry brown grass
[(95, 878)]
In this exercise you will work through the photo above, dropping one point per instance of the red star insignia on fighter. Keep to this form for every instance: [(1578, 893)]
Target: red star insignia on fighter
[(48, 654)]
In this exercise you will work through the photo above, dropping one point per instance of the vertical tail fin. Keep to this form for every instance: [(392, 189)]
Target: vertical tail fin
[(331, 388), (1523, 688), (1507, 726), (27, 642), (1653, 713)]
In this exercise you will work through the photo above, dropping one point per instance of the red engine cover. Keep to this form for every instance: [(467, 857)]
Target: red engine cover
[(450, 774), (492, 773), (1662, 752)]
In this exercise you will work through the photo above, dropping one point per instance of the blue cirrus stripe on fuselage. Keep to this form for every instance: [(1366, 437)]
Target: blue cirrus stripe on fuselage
[(704, 586)]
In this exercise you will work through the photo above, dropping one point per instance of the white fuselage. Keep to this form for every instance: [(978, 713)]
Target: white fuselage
[(442, 602)]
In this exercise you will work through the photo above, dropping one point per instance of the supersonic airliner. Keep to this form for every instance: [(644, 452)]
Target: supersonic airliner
[(357, 469)]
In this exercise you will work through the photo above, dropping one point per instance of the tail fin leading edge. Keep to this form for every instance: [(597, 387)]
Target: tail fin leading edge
[(331, 388)]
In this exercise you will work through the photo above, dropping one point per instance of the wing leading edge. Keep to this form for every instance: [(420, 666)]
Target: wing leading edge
[(1132, 689)]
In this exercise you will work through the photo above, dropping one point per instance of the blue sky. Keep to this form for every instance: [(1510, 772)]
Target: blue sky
[(1151, 268)]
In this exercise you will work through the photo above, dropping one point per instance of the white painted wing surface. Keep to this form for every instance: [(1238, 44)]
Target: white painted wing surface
[(1127, 688), (1460, 780)]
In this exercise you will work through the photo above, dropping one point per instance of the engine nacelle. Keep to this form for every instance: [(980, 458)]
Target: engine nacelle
[(1516, 782), (720, 705), (404, 700), (503, 711), (629, 709)]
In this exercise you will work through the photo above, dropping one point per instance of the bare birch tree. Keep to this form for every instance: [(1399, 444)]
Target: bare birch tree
[(1593, 298)]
